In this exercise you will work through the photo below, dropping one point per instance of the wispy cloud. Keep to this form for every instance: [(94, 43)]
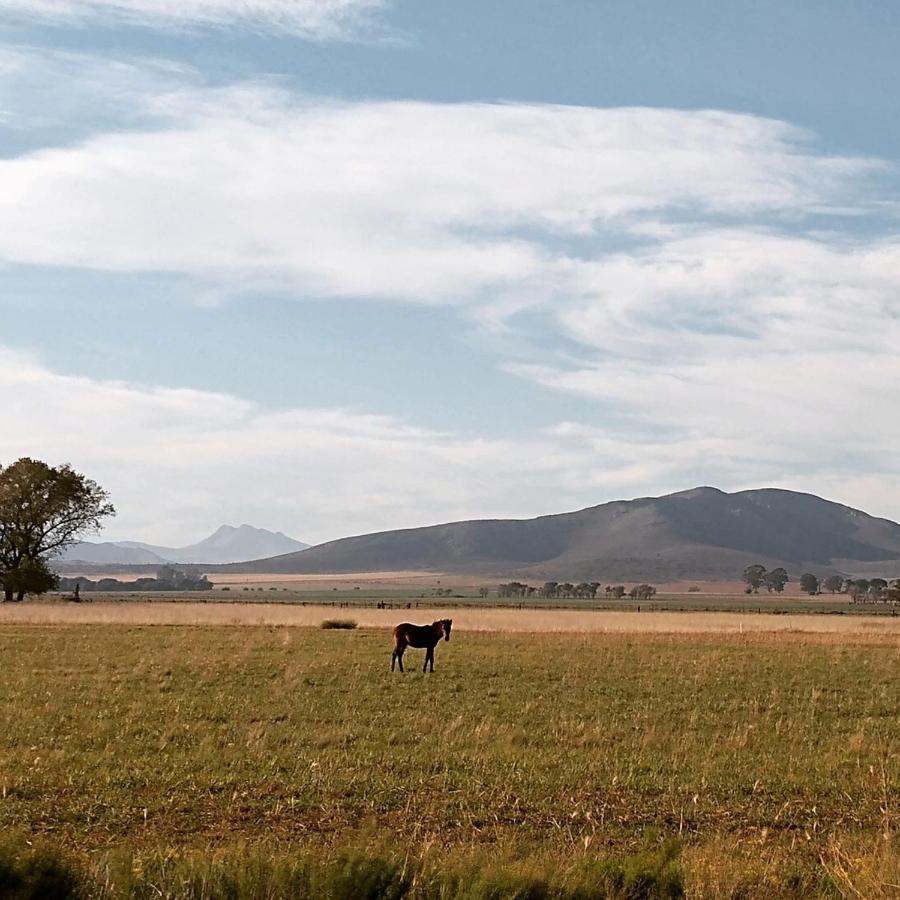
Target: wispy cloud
[(178, 462), (320, 20), (321, 472), (423, 201)]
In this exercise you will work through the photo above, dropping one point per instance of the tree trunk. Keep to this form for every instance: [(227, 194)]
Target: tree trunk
[(20, 596), (8, 595)]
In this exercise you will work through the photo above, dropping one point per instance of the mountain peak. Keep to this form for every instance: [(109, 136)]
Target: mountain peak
[(699, 533), (701, 491), (226, 544)]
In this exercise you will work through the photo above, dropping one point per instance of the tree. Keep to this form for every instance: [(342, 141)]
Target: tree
[(33, 576), (833, 583), (642, 592), (43, 509), (809, 584), (776, 580), (754, 577), (549, 589)]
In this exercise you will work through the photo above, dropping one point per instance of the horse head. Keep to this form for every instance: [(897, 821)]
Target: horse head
[(446, 625)]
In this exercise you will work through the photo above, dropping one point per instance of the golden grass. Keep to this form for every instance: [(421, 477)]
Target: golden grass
[(501, 620)]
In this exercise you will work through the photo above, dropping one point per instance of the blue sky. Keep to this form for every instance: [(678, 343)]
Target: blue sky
[(332, 266)]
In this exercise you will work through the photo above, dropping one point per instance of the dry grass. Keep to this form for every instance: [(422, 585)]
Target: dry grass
[(185, 759), (158, 612)]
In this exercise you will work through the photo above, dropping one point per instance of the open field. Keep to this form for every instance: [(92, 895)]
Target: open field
[(407, 582), (185, 612), (172, 760)]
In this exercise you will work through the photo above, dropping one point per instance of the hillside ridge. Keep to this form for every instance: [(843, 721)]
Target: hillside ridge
[(700, 533)]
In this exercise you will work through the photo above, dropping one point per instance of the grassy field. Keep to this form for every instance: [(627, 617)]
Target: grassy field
[(183, 611), (254, 760), (468, 598)]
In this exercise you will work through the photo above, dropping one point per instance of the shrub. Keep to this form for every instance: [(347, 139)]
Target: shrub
[(29, 874), (652, 875), (338, 623)]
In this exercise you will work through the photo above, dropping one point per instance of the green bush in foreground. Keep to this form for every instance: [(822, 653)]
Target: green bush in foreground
[(29, 874), (26, 873)]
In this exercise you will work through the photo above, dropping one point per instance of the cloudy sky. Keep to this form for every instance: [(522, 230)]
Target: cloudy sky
[(335, 266)]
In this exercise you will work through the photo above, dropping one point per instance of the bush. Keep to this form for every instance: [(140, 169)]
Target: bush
[(652, 875), (29, 874), (338, 623)]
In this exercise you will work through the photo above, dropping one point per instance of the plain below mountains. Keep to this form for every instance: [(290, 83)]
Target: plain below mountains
[(227, 544), (702, 533)]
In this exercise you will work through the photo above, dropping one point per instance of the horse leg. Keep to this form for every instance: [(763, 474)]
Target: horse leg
[(393, 658), (399, 654), (431, 657)]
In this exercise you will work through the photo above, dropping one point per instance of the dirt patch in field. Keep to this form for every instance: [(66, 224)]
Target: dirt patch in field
[(508, 620)]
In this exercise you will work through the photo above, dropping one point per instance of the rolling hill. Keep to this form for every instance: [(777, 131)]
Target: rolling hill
[(702, 533), (226, 544)]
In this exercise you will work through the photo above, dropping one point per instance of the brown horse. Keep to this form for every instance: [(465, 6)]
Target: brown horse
[(427, 636)]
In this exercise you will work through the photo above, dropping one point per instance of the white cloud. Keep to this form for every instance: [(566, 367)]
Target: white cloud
[(180, 462), (314, 19), (433, 202)]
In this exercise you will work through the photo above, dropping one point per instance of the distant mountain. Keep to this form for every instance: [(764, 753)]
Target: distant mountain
[(225, 545), (107, 553), (702, 533)]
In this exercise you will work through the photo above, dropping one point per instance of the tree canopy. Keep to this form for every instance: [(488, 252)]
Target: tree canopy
[(776, 579), (43, 509), (809, 583), (753, 576)]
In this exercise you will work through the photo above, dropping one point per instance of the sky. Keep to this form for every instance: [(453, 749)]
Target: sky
[(338, 266)]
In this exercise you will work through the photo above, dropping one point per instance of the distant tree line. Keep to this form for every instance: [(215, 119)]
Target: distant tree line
[(168, 578), (860, 590), (584, 590), (756, 577)]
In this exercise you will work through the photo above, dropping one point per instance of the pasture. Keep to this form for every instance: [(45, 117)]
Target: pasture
[(230, 759)]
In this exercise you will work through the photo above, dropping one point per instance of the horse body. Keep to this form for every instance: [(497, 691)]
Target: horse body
[(419, 636)]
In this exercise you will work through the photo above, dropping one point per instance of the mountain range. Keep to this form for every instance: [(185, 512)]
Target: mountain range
[(226, 544), (703, 533)]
